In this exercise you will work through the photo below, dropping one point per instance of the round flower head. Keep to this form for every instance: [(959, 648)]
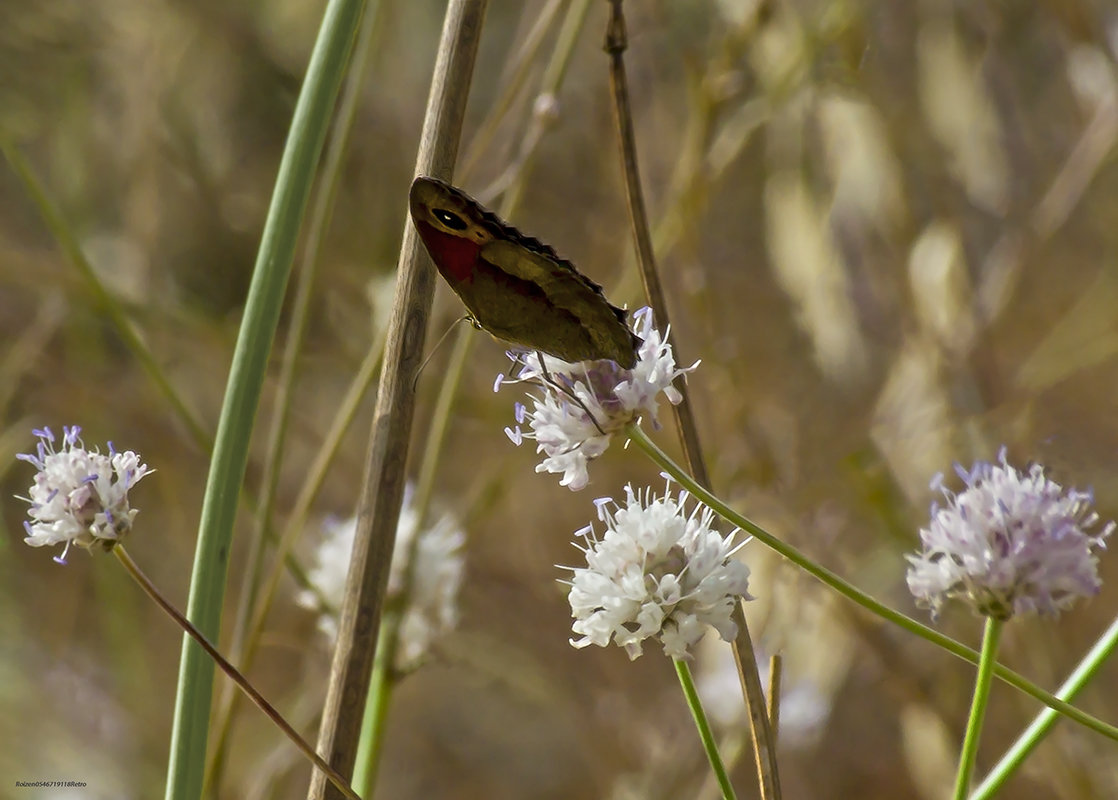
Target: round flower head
[(1010, 543), (658, 571), (431, 605), (79, 496), (582, 405)]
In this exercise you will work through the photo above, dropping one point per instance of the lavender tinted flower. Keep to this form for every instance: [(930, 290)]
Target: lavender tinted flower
[(80, 496), (431, 606), (581, 406), (658, 571), (1009, 544)]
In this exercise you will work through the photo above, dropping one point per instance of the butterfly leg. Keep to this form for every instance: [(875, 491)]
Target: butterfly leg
[(438, 344), (559, 387)]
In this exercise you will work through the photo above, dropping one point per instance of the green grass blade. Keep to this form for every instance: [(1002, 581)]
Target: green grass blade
[(262, 309)]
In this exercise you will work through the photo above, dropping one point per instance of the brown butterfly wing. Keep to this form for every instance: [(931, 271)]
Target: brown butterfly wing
[(516, 287), (542, 302)]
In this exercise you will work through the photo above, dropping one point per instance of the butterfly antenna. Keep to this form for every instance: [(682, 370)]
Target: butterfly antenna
[(435, 349)]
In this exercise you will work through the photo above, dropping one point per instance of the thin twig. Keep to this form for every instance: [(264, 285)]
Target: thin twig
[(616, 42), (516, 75), (269, 710), (383, 491), (776, 668), (615, 45), (764, 740)]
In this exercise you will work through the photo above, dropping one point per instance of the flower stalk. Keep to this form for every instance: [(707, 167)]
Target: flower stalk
[(240, 680), (683, 671), (989, 654), (1087, 669)]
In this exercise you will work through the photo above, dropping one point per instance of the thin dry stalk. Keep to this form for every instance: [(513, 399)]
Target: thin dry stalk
[(383, 492), (744, 655), (776, 669), (326, 771)]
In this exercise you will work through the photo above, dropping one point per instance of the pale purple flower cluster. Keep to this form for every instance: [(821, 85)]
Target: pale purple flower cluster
[(583, 405), (657, 571), (430, 609), (79, 496), (1011, 543)]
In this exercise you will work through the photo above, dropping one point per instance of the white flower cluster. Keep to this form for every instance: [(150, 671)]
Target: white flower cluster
[(583, 405), (79, 497), (658, 571), (430, 608), (1011, 543)]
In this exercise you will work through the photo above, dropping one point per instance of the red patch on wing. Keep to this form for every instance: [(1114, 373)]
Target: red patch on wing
[(455, 256)]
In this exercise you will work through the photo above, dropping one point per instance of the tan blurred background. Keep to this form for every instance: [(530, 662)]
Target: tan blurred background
[(887, 229)]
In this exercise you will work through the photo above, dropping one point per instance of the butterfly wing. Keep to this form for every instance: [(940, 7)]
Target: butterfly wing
[(516, 287), (542, 302)]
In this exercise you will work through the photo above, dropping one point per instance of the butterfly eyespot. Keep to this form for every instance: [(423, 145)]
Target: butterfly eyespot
[(451, 220)]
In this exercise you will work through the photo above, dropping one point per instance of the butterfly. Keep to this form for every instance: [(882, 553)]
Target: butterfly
[(514, 286)]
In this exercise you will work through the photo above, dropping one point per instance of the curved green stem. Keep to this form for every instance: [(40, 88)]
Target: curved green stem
[(680, 476), (243, 643)]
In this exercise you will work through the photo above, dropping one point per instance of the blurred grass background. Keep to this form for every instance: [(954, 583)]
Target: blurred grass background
[(886, 229)]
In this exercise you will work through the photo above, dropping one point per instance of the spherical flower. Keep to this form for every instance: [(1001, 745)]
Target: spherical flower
[(79, 496), (658, 571), (581, 406), (430, 607), (1009, 544)]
